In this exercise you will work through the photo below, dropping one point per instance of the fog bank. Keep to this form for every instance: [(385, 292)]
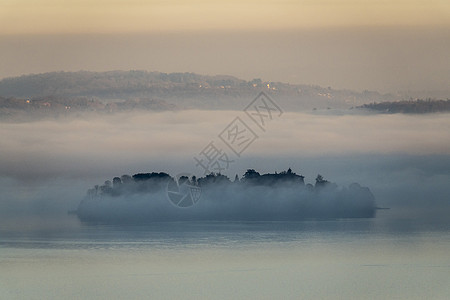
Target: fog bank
[(47, 166), (168, 141)]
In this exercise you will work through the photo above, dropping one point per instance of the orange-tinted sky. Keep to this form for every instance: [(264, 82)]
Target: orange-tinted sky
[(103, 16), (383, 45)]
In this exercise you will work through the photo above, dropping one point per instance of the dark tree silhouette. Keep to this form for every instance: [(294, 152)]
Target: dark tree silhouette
[(212, 179), (271, 196), (251, 174), (320, 181), (236, 178)]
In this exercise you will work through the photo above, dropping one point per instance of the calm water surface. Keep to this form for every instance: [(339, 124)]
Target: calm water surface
[(379, 258)]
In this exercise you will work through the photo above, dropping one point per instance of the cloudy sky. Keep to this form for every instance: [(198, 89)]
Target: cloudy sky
[(388, 46)]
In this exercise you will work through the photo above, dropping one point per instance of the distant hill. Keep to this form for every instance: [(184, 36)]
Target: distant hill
[(26, 109), (410, 107), (184, 90)]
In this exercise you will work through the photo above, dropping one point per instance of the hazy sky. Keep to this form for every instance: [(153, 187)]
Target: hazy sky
[(367, 44), (86, 16)]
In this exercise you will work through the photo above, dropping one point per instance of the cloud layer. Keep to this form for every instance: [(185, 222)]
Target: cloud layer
[(168, 141), (46, 167)]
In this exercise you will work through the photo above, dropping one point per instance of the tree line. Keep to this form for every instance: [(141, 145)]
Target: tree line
[(156, 181), (419, 106)]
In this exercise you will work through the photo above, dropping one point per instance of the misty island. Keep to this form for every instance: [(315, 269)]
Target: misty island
[(156, 197)]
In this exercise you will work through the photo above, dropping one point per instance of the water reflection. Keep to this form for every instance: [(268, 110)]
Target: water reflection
[(217, 234)]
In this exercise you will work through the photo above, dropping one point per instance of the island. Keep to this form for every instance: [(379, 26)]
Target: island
[(418, 106), (284, 196)]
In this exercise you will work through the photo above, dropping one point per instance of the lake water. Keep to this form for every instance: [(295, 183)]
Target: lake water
[(380, 258)]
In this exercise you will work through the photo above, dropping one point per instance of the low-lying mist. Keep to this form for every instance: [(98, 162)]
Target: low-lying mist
[(47, 166), (255, 197)]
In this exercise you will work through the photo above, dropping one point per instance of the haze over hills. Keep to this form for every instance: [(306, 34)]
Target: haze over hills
[(180, 90)]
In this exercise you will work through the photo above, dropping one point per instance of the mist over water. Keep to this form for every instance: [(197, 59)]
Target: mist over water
[(167, 141), (47, 166)]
